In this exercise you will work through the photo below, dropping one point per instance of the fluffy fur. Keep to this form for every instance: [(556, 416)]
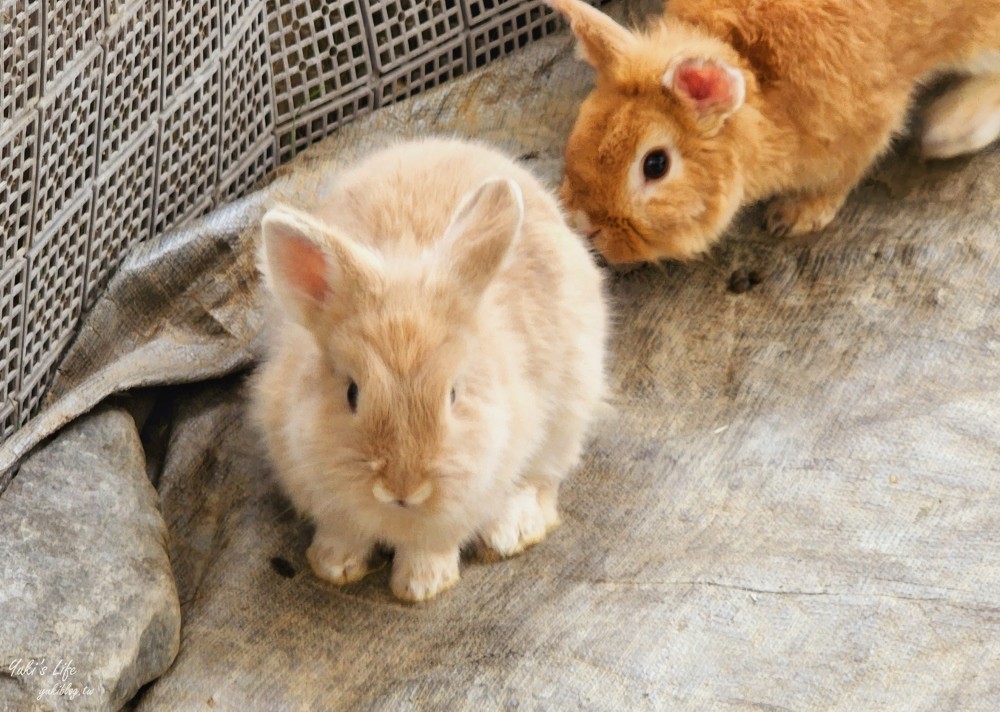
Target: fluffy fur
[(792, 99), (442, 281)]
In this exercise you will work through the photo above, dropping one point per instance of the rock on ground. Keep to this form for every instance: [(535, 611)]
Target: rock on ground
[(89, 608)]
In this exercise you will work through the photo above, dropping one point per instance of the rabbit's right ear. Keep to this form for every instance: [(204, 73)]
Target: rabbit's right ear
[(482, 234), (713, 88), (312, 269), (602, 41)]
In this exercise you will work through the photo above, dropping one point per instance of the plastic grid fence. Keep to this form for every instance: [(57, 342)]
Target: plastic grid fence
[(71, 29), (35, 389), (247, 103), (67, 153), (123, 118), (189, 153), (123, 209), (131, 74), (191, 38), (439, 65), (480, 11), (313, 124), (17, 189), (57, 274), (9, 420), (402, 27), (20, 55), (319, 59), (11, 322), (500, 33), (235, 13)]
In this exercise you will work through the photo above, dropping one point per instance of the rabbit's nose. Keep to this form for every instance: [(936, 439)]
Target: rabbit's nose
[(416, 497)]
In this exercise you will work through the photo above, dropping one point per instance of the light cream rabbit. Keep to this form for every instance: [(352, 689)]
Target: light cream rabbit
[(438, 359)]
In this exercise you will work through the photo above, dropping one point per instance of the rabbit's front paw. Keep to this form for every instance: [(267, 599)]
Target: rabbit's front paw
[(796, 215), (420, 575), (520, 525), (333, 561)]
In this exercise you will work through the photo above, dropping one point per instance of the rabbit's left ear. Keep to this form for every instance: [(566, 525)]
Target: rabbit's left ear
[(482, 234), (602, 41), (711, 87)]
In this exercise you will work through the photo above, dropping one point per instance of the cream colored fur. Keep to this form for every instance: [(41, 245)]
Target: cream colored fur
[(436, 267)]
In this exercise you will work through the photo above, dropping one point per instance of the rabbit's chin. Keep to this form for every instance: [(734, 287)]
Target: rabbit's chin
[(447, 522)]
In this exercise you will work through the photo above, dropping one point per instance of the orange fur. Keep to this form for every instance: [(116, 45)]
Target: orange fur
[(413, 283), (827, 84)]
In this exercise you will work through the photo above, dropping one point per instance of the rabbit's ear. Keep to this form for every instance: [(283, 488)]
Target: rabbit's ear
[(312, 268), (482, 234), (602, 41), (711, 87)]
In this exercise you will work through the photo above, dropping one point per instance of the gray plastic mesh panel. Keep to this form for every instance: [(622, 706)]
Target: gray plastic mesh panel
[(317, 54), (131, 73), (189, 153), (499, 27), (311, 125), (319, 60), (9, 420), (12, 323), (235, 13), (499, 33), (477, 11), (480, 11), (34, 390), (72, 27), (402, 27), (123, 210), (67, 156), (191, 38), (57, 272), (247, 103), (20, 55), (439, 65), (122, 118), (17, 188)]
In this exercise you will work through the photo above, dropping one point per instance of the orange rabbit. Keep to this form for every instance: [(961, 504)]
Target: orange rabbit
[(719, 104)]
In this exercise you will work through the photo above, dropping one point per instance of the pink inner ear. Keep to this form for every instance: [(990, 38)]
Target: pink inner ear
[(304, 267), (705, 84)]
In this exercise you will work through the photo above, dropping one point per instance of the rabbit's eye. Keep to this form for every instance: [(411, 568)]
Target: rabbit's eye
[(656, 164), (452, 396), (352, 397)]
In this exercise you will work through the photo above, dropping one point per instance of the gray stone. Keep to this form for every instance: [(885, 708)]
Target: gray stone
[(90, 611)]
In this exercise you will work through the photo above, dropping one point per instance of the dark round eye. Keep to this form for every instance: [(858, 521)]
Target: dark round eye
[(656, 164), (352, 396), (452, 395)]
